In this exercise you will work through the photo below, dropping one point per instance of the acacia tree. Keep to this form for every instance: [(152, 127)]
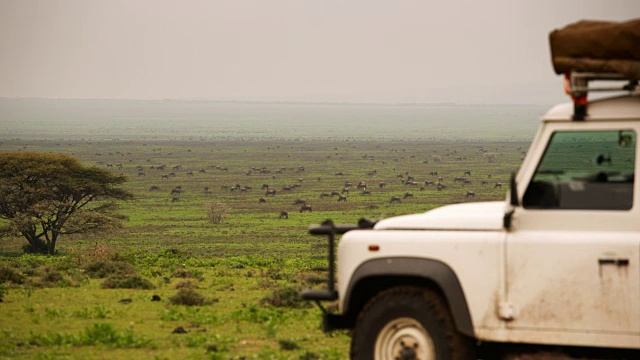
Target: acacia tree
[(45, 195)]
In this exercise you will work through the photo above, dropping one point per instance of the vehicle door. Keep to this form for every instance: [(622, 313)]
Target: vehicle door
[(573, 251)]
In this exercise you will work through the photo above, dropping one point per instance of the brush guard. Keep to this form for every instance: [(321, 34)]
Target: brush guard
[(329, 229)]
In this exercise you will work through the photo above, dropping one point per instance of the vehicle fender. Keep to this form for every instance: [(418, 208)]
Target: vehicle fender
[(428, 270)]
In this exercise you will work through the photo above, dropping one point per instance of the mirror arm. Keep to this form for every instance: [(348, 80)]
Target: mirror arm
[(513, 201)]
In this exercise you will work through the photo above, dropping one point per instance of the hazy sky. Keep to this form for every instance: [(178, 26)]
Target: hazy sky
[(466, 51)]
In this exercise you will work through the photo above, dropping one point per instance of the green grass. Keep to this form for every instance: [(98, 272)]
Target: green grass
[(248, 269)]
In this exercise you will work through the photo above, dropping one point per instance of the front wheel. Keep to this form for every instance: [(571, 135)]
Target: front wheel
[(408, 323)]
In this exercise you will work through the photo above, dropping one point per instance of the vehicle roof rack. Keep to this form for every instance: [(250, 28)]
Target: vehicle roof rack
[(577, 86)]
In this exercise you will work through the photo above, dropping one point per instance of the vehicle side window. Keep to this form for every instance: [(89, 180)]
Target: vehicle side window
[(587, 170)]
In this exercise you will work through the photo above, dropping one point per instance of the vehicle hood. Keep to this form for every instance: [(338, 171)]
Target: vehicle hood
[(469, 216)]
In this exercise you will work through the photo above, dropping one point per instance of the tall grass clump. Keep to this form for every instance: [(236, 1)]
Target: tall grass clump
[(96, 334)]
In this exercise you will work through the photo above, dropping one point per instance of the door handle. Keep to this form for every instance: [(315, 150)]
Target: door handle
[(609, 261)]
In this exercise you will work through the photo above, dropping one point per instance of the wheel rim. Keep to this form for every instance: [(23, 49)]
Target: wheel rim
[(404, 338)]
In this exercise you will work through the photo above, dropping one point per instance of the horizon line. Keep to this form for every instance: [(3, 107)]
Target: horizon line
[(280, 102)]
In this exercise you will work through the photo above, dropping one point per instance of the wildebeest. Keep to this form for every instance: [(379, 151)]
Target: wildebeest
[(382, 184), (299, 202), (262, 200), (471, 193), (342, 198), (265, 186), (284, 214), (440, 187), (335, 193), (498, 185), (165, 176), (362, 185), (286, 188), (323, 195), (460, 178), (428, 182), (175, 198), (407, 195), (434, 173), (366, 192), (484, 182), (202, 171), (305, 207), (176, 190), (207, 190), (153, 188), (271, 192), (467, 172), (395, 199), (422, 188)]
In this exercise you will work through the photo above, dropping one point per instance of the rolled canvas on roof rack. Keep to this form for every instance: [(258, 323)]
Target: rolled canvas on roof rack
[(597, 46)]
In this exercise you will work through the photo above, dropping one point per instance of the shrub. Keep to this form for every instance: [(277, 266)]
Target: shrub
[(288, 345), (184, 274), (11, 275), (100, 269), (285, 297), (127, 282), (50, 277), (188, 296), (216, 212)]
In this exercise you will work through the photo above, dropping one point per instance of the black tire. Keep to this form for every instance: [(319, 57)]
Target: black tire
[(408, 323)]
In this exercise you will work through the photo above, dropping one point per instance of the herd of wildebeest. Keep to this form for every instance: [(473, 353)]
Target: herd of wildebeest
[(462, 173)]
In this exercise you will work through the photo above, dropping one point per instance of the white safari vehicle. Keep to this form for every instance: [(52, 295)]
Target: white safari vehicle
[(556, 264)]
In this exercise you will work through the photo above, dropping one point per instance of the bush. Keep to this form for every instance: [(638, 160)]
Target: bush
[(288, 345), (10, 275), (127, 282), (216, 212), (100, 269), (184, 274), (188, 296), (39, 247), (285, 297)]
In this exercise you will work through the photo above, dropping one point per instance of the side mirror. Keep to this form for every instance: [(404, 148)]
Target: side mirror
[(513, 195), (624, 140)]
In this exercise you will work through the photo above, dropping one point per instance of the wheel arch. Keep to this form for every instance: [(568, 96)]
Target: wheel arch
[(376, 275)]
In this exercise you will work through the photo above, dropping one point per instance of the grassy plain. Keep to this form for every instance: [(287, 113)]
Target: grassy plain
[(249, 267)]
